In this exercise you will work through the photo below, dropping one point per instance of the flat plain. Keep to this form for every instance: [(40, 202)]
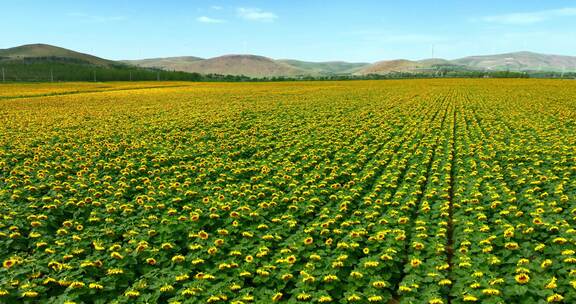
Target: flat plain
[(417, 191)]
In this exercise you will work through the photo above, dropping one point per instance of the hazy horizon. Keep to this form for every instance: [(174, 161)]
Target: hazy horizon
[(301, 30)]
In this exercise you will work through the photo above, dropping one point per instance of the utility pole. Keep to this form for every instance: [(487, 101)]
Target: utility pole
[(130, 75), (157, 76), (51, 75), (94, 72), (3, 75), (563, 70)]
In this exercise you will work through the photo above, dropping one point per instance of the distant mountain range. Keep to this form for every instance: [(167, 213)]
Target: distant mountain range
[(259, 66)]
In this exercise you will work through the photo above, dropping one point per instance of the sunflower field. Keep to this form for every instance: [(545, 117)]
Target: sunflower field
[(409, 191)]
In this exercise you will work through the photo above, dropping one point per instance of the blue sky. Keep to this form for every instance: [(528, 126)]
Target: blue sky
[(316, 30)]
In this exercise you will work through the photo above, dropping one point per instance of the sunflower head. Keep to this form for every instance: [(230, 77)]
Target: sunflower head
[(522, 278), (8, 263)]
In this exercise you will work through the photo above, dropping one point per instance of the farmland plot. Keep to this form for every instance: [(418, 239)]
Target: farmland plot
[(420, 191)]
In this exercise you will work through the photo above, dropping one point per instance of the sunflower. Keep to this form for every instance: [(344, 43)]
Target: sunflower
[(353, 298), (417, 245), (291, 259), (203, 235), (551, 284), (555, 298), (277, 296), (356, 274), (30, 294), (308, 241), (491, 291), (77, 285), (522, 278), (212, 250), (371, 264), (178, 258), (95, 286), (404, 288), (470, 298), (330, 278), (415, 263), (188, 292), (166, 246), (182, 277), (511, 246), (114, 271), (560, 240), (132, 293), (379, 284), (403, 220), (8, 263), (537, 221), (167, 288)]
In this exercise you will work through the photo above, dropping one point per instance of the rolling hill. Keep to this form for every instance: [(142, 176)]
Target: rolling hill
[(409, 66), (514, 62), (324, 68), (50, 52), (167, 63), (248, 65), (389, 66), (520, 61)]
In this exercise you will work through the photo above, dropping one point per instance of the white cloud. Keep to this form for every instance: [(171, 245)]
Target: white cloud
[(256, 14), (216, 7), (529, 17), (205, 19)]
